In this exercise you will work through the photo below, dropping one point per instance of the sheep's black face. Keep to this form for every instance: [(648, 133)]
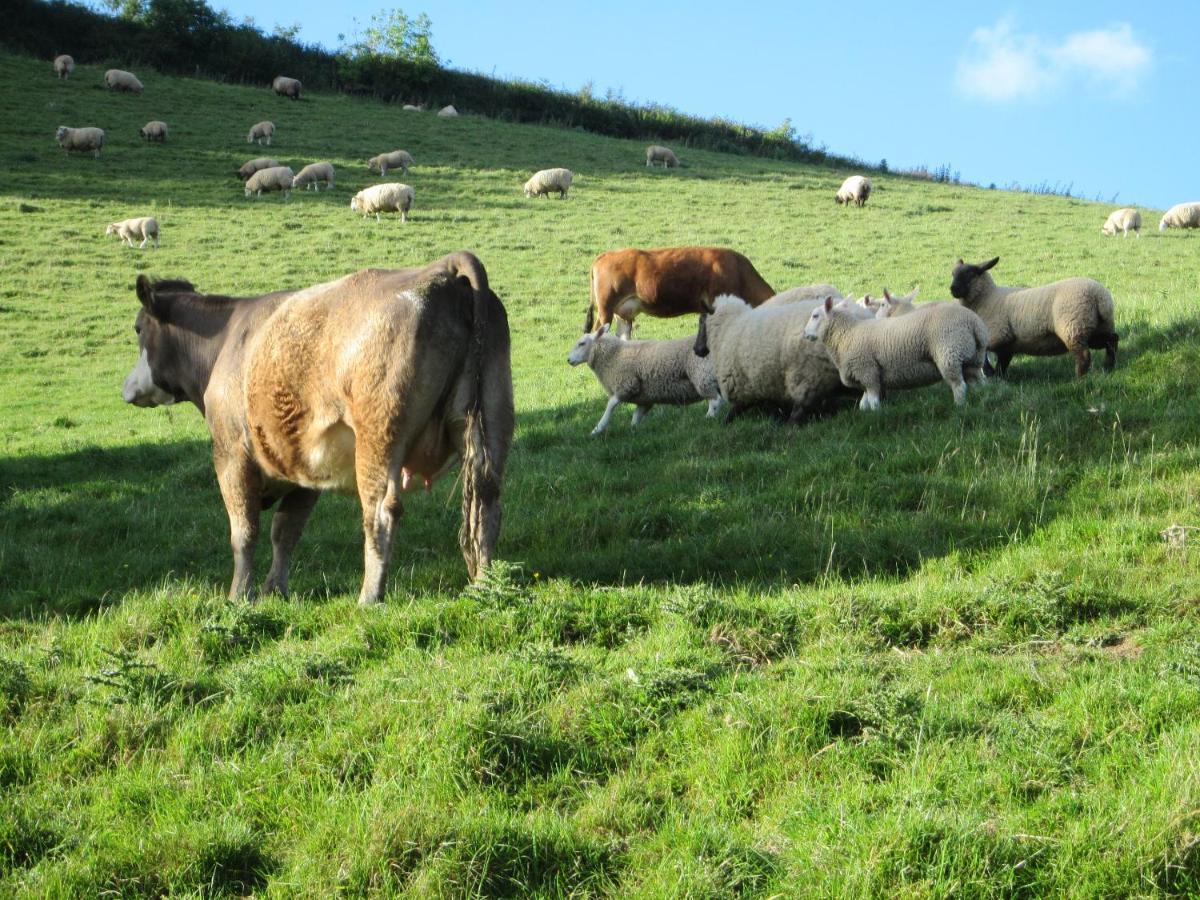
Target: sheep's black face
[(964, 276)]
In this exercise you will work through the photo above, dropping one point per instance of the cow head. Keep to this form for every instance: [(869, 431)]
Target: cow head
[(150, 382), (965, 275)]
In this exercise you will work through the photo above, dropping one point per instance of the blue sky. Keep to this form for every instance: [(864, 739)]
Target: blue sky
[(1098, 95)]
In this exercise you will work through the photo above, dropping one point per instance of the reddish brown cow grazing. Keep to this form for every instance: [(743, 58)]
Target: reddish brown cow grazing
[(673, 281), (369, 383)]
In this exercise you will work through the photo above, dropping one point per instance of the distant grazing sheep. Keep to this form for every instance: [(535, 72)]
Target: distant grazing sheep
[(310, 175), (396, 159), (276, 178), (129, 230), (287, 87), (251, 166), (414, 108), (390, 197), (1124, 221), (659, 154), (154, 131), (1181, 215), (80, 140), (120, 80), (447, 112), (855, 189), (547, 181), (261, 132), (64, 65)]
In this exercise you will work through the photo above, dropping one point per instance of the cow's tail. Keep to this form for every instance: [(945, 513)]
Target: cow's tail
[(590, 320), (488, 428)]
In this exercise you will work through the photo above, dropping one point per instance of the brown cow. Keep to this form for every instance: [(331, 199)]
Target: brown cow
[(672, 281), (371, 383)]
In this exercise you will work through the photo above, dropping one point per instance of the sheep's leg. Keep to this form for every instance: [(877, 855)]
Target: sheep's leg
[(870, 400), (286, 528), (714, 406), (798, 414), (735, 410), (1003, 358), (1083, 359), (640, 412), (142, 245), (613, 402)]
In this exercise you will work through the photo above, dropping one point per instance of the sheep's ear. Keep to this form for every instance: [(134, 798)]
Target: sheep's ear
[(887, 295), (960, 261), (991, 262), (828, 304)]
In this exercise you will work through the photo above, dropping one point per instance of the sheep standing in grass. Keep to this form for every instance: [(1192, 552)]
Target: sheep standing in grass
[(855, 189), (80, 140), (250, 166), (1181, 215), (412, 107), (890, 307), (1123, 220), (396, 159), (312, 174), (940, 341), (545, 182), (804, 292), (646, 373), (154, 131), (64, 65), (1070, 316), (447, 112), (390, 197), (261, 132), (287, 87), (145, 228), (276, 178), (120, 80), (656, 153)]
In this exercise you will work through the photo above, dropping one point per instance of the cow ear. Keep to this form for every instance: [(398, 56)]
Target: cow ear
[(145, 292), (991, 262)]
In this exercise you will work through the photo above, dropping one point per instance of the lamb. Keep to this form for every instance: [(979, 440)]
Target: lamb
[(276, 178), (890, 307), (1074, 315), (64, 65), (1123, 220), (656, 153), (855, 189), (154, 131), (389, 197), (1181, 215), (287, 87), (544, 182), (312, 174), (939, 341), (261, 131), (81, 140), (646, 373), (447, 112), (251, 166), (396, 159), (120, 80), (805, 292), (145, 228)]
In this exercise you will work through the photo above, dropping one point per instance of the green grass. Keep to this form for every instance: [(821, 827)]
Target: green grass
[(926, 652)]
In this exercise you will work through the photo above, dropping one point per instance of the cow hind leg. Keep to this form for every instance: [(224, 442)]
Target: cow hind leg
[(379, 493), (286, 528), (241, 489)]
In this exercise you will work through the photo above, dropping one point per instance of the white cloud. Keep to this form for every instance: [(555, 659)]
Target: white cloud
[(1001, 64)]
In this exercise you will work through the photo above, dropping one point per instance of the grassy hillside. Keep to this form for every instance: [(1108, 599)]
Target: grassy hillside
[(924, 652)]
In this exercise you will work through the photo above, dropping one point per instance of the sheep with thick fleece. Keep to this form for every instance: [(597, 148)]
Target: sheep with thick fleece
[(855, 189), (276, 178), (64, 65), (250, 166), (396, 159), (804, 292), (312, 174), (1071, 316), (1181, 215), (389, 197), (287, 87), (120, 80), (546, 181), (890, 307), (154, 131), (646, 373), (129, 230), (656, 153), (447, 112), (1123, 220), (261, 132), (80, 140)]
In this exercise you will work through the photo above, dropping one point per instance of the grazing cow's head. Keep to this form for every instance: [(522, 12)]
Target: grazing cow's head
[(150, 382), (818, 322), (965, 275), (582, 351)]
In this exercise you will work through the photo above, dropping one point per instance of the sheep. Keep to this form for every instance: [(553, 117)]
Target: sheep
[(805, 292), (1074, 315), (447, 112), (145, 228), (1181, 215), (940, 341), (276, 178), (412, 107), (250, 166), (855, 189), (396, 159), (261, 131), (154, 131), (80, 140), (1123, 220), (120, 80), (544, 182), (312, 174), (890, 307), (64, 65), (389, 197), (646, 373), (287, 87), (656, 153)]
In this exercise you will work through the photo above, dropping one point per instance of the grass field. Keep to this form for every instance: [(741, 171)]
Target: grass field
[(925, 652)]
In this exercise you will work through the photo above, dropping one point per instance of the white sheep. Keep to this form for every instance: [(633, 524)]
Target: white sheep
[(1181, 215), (120, 80), (646, 373), (389, 197), (276, 178), (129, 230), (312, 174), (1124, 221), (154, 131), (1074, 315), (81, 140), (656, 153), (261, 132), (855, 189), (547, 180), (250, 166), (890, 307), (412, 107), (287, 87), (447, 112), (940, 341), (64, 65), (804, 292), (396, 159)]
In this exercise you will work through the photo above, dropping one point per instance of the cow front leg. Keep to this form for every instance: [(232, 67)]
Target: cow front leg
[(241, 489), (286, 528), (379, 492)]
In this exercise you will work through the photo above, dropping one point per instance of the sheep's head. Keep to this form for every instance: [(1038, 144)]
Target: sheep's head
[(582, 351), (965, 275), (61, 132), (1162, 223), (111, 229), (818, 322), (354, 203)]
